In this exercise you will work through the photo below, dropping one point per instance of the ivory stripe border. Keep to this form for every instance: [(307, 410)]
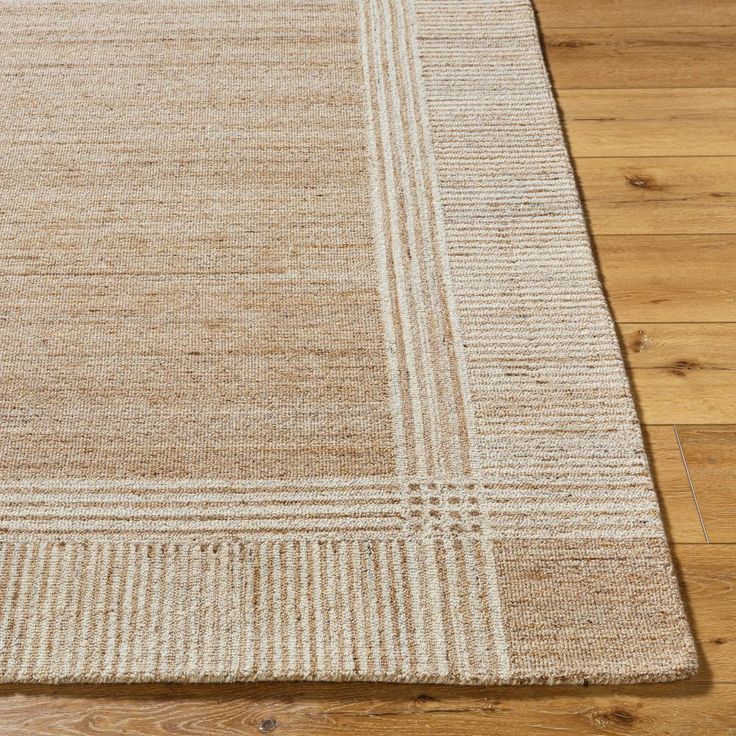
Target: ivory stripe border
[(130, 612)]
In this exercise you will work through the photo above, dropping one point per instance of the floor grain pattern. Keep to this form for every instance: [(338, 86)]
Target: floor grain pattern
[(647, 91)]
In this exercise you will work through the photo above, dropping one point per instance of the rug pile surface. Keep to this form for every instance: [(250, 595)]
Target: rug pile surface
[(306, 368)]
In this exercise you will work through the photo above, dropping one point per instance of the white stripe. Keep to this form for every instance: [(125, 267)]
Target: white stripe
[(415, 591), (248, 624), (304, 634), (216, 582), (83, 640), (419, 309), (481, 640), (499, 634), (55, 606), (235, 564), (80, 484), (107, 645), (400, 280), (29, 600), (374, 617), (230, 526), (101, 622), (405, 647), (66, 633), (348, 614), (194, 576), (440, 229), (156, 603), (291, 612), (265, 610), (424, 208), (456, 609), (316, 485), (333, 631), (317, 591), (379, 219), (277, 607), (8, 597), (168, 607), (384, 594), (202, 510), (363, 645), (434, 594), (140, 622)]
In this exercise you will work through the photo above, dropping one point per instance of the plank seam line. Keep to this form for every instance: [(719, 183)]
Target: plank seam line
[(652, 235), (656, 155), (587, 87), (674, 88), (690, 483), (619, 28)]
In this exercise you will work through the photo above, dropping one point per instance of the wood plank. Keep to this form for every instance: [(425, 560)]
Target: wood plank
[(680, 348), (669, 278), (586, 58), (299, 709), (708, 576), (373, 710), (685, 396), (650, 122), (711, 458), (622, 13), (678, 506), (630, 196), (683, 373)]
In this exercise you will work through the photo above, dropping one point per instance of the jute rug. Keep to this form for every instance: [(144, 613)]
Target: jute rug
[(306, 369)]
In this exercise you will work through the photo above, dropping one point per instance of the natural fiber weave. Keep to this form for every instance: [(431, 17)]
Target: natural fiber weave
[(307, 373)]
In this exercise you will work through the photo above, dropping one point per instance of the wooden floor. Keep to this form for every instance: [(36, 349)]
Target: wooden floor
[(648, 94)]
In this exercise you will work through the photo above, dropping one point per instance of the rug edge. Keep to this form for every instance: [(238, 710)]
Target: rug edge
[(129, 613)]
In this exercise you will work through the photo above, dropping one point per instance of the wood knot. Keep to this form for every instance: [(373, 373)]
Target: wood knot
[(267, 725), (615, 717), (424, 698), (641, 341), (621, 716), (572, 44), (681, 367), (640, 182)]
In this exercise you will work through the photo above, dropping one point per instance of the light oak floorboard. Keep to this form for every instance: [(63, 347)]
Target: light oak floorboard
[(708, 576), (604, 58), (680, 348), (696, 711), (669, 278), (650, 122), (711, 457), (623, 13), (376, 710), (679, 508), (685, 396), (657, 196), (682, 373)]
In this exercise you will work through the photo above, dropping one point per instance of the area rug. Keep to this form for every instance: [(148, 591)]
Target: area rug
[(306, 370)]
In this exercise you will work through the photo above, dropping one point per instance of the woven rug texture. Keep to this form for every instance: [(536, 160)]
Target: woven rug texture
[(307, 373)]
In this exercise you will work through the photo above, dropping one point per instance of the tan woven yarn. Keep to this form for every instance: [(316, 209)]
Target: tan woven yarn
[(306, 369)]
